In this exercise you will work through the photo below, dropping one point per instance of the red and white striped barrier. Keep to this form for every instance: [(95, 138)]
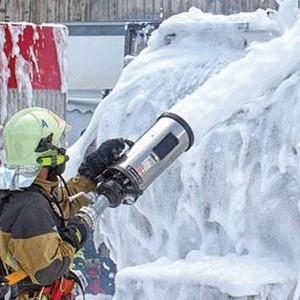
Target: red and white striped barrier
[(32, 67)]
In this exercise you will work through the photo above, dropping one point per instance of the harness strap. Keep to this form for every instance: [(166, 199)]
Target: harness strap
[(52, 200)]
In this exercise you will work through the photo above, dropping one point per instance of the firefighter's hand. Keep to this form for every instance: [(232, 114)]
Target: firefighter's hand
[(96, 162), (75, 232)]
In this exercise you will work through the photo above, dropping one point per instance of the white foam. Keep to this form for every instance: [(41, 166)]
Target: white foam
[(233, 198), (237, 276)]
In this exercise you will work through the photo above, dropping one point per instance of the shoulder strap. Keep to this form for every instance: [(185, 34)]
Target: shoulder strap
[(52, 200), (36, 188)]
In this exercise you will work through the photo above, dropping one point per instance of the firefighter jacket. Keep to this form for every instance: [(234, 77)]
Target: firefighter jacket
[(30, 228)]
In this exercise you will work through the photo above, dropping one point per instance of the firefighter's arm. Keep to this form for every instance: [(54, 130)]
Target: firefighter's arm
[(75, 185), (40, 250), (94, 164)]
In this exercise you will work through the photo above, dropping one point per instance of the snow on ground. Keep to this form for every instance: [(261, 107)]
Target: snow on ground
[(223, 220)]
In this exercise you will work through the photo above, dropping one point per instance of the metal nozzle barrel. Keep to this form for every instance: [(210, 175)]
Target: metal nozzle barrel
[(147, 159)]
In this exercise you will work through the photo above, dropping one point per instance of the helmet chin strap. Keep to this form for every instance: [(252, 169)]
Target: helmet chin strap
[(56, 171)]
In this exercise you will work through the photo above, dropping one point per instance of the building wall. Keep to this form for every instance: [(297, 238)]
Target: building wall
[(38, 11)]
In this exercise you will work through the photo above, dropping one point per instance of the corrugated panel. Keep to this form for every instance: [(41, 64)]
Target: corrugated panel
[(38, 11), (53, 100)]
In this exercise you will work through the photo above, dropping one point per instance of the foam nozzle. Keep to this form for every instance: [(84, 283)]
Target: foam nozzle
[(184, 124)]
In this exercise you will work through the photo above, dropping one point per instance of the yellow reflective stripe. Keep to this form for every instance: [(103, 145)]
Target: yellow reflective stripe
[(78, 234), (79, 254), (11, 262), (60, 159), (49, 161)]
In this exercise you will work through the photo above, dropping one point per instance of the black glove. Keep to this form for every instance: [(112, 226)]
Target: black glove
[(96, 162), (75, 232)]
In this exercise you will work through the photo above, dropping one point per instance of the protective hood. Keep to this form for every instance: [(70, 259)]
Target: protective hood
[(17, 178)]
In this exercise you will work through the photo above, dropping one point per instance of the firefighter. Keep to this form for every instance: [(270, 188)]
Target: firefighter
[(39, 229)]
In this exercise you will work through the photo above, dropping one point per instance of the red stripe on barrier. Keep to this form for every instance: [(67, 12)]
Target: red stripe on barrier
[(37, 46)]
